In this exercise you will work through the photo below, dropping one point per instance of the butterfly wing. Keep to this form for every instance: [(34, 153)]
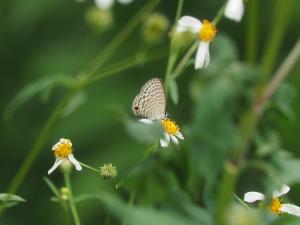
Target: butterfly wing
[(150, 103)]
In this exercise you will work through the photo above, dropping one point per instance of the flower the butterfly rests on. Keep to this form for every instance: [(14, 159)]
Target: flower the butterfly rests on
[(276, 206), (63, 151), (149, 106), (206, 33)]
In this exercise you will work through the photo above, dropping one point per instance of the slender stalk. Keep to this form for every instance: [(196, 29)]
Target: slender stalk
[(120, 37), (173, 53), (127, 63), (280, 75), (90, 168), (183, 62), (281, 15), (219, 15), (179, 10), (71, 199), (226, 192), (252, 30)]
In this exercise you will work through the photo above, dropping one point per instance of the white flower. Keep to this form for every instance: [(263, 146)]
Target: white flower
[(276, 205), (206, 32), (63, 151), (171, 131), (234, 10), (107, 4)]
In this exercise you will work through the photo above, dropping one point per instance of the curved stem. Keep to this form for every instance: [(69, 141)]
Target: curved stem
[(71, 199), (183, 63), (219, 14), (90, 168), (120, 37)]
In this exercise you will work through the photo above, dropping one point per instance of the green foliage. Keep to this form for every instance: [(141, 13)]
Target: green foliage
[(9, 200), (43, 86)]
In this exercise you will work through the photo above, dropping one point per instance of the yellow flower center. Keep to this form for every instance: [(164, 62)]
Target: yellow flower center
[(170, 126), (208, 31), (63, 149), (275, 206)]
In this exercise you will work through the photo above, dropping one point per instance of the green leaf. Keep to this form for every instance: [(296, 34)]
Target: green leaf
[(43, 85), (52, 187), (137, 215), (144, 133), (284, 99), (290, 170), (8, 200), (173, 90), (223, 49), (74, 103)]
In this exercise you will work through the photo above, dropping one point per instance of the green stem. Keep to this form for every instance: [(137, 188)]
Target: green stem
[(225, 193), (173, 52), (179, 10), (71, 199), (90, 168), (279, 76), (127, 63), (252, 30), (281, 15), (219, 14), (183, 63), (120, 37)]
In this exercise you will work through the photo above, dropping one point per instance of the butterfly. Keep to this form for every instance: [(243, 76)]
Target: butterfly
[(150, 103)]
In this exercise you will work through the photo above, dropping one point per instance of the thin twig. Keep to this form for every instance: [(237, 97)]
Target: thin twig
[(280, 75)]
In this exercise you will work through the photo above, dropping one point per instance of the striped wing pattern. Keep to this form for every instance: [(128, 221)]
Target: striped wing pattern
[(150, 103)]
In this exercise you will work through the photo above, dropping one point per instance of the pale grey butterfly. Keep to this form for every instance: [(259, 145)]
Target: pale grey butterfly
[(150, 103)]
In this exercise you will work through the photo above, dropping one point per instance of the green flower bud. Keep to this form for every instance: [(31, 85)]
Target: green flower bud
[(98, 19), (155, 28)]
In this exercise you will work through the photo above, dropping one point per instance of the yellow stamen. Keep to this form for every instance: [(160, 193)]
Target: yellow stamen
[(275, 206), (208, 31), (170, 126), (63, 149)]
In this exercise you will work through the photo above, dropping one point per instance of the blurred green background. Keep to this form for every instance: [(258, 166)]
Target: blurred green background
[(48, 37)]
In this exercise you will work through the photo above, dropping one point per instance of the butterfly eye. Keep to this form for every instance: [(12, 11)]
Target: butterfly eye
[(136, 108)]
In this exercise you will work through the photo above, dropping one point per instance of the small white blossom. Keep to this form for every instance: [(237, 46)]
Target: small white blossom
[(234, 10), (206, 33), (63, 151)]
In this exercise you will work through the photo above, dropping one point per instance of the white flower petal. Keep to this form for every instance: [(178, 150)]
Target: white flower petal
[(253, 196), (104, 4), (174, 139), (202, 56), (125, 1), (179, 135), (74, 162), (55, 165), (234, 10), (146, 121), (55, 146), (188, 23), (290, 209), (284, 189), (164, 143)]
